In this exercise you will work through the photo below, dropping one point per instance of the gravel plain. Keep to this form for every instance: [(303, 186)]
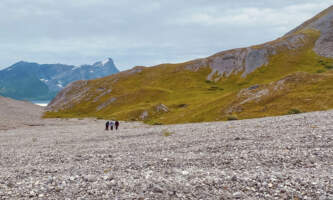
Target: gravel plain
[(288, 157), (14, 113)]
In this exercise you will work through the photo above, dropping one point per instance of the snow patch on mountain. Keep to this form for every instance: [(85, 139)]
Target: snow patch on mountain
[(76, 67), (44, 80), (60, 84), (104, 62)]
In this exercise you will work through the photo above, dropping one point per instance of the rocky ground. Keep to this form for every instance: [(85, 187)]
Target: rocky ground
[(289, 157), (15, 113)]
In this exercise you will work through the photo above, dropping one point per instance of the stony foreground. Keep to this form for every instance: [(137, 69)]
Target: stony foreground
[(15, 113), (289, 157)]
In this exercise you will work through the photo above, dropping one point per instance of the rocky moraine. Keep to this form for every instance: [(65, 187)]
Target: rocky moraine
[(288, 157)]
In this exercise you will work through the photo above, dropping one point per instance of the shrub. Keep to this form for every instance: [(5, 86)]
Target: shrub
[(320, 71), (294, 111), (167, 133), (328, 66), (208, 81), (232, 118), (214, 88), (157, 124), (182, 105)]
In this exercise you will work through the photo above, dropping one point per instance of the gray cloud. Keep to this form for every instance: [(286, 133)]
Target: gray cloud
[(146, 32)]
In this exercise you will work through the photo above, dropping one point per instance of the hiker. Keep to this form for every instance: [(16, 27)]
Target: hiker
[(111, 125), (107, 125), (116, 124)]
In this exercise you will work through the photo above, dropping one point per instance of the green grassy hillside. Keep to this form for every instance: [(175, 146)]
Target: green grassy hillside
[(294, 80)]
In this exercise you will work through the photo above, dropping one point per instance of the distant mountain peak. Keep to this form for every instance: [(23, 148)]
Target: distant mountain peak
[(103, 63), (43, 81), (23, 62), (108, 60)]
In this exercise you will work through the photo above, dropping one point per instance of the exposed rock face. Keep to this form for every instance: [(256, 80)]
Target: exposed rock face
[(259, 93), (252, 95), (74, 92), (324, 46), (104, 92), (161, 108), (245, 60), (323, 23), (107, 103)]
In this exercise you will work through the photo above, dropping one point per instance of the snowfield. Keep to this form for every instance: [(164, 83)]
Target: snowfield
[(288, 157)]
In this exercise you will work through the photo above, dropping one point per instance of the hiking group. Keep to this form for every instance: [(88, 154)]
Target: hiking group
[(111, 124)]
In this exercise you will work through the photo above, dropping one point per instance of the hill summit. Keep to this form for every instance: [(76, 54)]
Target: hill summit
[(288, 75)]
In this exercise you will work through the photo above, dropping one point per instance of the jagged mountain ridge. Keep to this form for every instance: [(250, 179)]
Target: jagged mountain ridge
[(213, 88), (33, 81)]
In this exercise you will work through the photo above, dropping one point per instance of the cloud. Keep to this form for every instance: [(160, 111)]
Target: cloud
[(254, 16), (141, 33)]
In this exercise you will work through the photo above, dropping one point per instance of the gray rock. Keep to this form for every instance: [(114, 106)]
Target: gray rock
[(162, 108), (90, 178), (238, 195), (144, 115)]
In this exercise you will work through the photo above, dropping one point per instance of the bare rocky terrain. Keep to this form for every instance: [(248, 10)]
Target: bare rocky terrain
[(288, 157), (22, 114), (15, 113)]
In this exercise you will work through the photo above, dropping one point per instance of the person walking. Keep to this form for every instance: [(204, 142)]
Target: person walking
[(107, 125), (111, 125), (116, 124)]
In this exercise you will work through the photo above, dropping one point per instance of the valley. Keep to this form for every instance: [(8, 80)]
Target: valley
[(287, 157)]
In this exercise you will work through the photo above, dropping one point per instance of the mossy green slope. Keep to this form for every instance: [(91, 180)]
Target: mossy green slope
[(294, 78)]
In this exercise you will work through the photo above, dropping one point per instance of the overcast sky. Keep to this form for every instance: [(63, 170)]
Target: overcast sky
[(141, 32)]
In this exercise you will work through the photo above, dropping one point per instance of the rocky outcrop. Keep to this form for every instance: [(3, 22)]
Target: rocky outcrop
[(245, 60), (260, 93), (144, 115), (73, 93), (323, 22), (158, 109), (161, 108), (106, 104)]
